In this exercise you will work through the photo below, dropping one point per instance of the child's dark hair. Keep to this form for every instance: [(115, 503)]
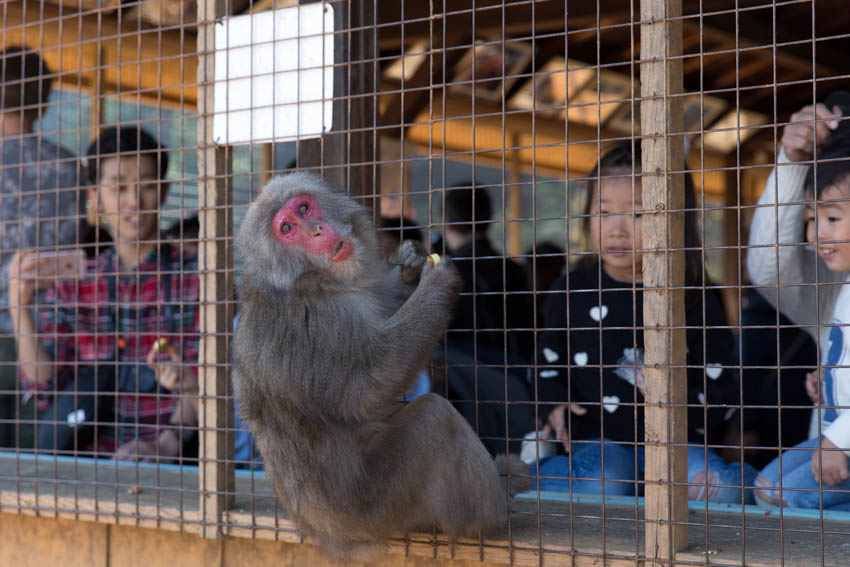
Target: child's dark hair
[(622, 158), (25, 80), (115, 141), (400, 228), (833, 160), (466, 206)]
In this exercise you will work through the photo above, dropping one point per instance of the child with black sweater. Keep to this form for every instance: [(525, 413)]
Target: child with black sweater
[(591, 354)]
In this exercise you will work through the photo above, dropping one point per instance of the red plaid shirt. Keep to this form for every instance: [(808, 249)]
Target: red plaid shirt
[(81, 323)]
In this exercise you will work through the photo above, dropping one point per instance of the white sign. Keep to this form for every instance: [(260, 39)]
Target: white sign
[(274, 75)]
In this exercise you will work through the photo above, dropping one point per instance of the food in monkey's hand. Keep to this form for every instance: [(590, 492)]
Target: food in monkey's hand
[(329, 338)]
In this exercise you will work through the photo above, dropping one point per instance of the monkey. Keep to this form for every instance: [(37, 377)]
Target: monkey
[(328, 339)]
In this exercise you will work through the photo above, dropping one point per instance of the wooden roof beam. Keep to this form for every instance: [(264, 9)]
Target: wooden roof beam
[(548, 148), (404, 107), (153, 64)]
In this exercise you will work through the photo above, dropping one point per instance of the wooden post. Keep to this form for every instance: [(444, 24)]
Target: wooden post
[(217, 480), (514, 205), (96, 112), (732, 239), (267, 163), (663, 276), (346, 154)]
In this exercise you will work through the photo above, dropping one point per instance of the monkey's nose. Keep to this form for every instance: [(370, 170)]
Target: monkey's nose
[(315, 229)]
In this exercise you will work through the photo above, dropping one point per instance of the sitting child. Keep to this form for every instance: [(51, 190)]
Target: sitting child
[(112, 344), (812, 290), (591, 354)]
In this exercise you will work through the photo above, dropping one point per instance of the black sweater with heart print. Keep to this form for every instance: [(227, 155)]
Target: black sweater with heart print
[(593, 342)]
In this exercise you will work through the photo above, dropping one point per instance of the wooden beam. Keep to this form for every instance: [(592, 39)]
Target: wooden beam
[(151, 64), (403, 22), (665, 425), (345, 156), (215, 198), (415, 93), (458, 130)]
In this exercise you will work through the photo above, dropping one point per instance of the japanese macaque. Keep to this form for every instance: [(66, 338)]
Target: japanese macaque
[(328, 339)]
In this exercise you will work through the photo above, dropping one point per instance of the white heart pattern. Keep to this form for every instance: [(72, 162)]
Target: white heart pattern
[(580, 358), (610, 403), (548, 373), (598, 312), (550, 355), (713, 370), (701, 398)]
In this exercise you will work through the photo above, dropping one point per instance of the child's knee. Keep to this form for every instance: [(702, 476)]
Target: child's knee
[(765, 493), (704, 486)]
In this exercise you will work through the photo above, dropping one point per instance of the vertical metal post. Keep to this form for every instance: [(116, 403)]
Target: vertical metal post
[(663, 277), (215, 188)]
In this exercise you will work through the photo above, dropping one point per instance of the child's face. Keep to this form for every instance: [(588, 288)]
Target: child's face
[(615, 229), (832, 239), (129, 194)]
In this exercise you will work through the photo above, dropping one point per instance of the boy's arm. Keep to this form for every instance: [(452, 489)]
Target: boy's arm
[(777, 252), (776, 223)]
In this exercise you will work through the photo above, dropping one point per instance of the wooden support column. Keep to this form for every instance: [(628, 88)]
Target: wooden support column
[(267, 163), (663, 276), (514, 204), (732, 239), (216, 260), (98, 104), (345, 156)]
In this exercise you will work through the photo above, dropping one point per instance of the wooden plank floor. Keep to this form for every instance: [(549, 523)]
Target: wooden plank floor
[(548, 532)]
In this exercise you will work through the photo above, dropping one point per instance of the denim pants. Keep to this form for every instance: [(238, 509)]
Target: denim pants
[(799, 487), (623, 467)]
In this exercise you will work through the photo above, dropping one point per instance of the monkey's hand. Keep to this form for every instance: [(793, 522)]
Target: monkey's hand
[(411, 257), (442, 276)]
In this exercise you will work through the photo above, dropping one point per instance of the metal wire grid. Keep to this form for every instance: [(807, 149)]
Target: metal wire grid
[(456, 129)]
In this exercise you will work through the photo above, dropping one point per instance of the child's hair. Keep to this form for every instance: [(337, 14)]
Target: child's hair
[(400, 228), (622, 158), (25, 80), (115, 141), (832, 165)]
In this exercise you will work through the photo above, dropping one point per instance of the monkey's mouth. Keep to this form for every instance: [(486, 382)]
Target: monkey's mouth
[(342, 251)]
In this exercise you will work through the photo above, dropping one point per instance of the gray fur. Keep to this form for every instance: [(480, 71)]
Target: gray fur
[(321, 356)]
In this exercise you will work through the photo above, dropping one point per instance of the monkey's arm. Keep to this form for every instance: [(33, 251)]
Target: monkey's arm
[(412, 332)]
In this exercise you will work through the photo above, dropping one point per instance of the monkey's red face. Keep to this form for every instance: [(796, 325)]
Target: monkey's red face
[(300, 223)]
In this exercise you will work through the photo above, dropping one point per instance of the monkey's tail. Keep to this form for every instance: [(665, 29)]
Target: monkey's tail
[(519, 479)]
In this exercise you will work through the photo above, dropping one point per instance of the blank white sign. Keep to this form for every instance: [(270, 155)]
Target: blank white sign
[(274, 75)]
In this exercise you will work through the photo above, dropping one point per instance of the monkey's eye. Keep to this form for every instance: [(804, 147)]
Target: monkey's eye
[(285, 227), (302, 210)]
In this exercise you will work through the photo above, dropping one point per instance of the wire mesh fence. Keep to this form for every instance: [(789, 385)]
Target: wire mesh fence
[(645, 202)]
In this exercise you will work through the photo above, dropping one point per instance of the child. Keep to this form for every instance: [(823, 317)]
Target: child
[(820, 462), (592, 352)]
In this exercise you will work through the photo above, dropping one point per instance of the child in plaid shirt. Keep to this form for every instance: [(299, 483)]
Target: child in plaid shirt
[(110, 322)]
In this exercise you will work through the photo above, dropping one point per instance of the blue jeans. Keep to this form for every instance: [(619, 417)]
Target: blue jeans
[(622, 471), (799, 487)]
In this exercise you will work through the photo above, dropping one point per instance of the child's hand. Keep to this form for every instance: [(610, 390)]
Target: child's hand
[(557, 423), (813, 387), (170, 371), (829, 466), (798, 140)]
